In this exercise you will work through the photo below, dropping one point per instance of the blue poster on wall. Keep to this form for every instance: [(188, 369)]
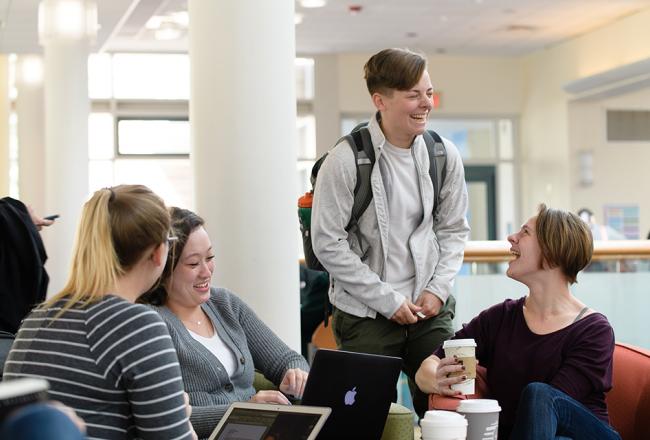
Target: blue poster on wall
[(624, 219)]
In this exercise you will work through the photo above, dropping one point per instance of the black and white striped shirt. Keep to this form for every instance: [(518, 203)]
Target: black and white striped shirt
[(112, 361)]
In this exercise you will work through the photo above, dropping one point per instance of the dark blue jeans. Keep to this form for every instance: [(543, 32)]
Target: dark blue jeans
[(546, 413), (39, 422)]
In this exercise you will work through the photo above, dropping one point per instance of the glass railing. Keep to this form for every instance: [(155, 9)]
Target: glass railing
[(617, 284)]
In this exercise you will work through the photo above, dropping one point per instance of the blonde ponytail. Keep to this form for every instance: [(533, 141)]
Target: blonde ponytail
[(117, 226)]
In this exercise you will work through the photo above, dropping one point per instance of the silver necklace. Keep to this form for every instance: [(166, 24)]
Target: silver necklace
[(199, 322)]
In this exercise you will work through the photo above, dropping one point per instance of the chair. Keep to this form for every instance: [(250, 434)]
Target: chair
[(399, 423), (628, 401), (323, 337)]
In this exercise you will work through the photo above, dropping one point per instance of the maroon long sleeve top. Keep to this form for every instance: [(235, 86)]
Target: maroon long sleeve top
[(576, 359)]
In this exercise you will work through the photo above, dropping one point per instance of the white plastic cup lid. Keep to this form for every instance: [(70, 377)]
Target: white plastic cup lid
[(23, 386), (459, 343), (478, 406), (443, 419)]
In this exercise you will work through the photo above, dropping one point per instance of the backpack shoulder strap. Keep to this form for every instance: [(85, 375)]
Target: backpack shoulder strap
[(437, 164), (361, 144)]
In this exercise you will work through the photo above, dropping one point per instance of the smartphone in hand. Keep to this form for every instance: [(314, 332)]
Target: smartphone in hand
[(51, 217)]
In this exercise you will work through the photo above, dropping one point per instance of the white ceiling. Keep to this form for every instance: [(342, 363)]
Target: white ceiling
[(474, 27)]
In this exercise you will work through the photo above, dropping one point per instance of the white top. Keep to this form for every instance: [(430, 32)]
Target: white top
[(220, 350), (405, 214)]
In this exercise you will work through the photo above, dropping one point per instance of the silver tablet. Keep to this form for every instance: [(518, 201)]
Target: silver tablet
[(260, 421)]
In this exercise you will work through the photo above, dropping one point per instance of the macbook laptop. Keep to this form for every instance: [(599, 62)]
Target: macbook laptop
[(358, 387), (261, 421)]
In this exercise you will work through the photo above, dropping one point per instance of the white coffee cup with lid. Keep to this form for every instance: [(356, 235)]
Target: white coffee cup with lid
[(482, 416), (465, 351), (443, 425)]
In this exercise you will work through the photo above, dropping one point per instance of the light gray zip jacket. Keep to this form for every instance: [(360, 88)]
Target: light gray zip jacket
[(357, 270)]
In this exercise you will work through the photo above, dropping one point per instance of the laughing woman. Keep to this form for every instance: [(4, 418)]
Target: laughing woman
[(219, 339), (548, 356)]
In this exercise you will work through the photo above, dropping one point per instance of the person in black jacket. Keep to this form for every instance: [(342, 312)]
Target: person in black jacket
[(23, 279)]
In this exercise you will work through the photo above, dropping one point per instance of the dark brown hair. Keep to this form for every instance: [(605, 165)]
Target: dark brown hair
[(184, 222), (565, 240), (393, 69)]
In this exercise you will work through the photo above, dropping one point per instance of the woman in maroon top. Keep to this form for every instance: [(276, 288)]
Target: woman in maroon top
[(548, 356)]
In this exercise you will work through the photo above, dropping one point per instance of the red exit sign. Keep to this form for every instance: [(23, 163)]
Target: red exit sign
[(436, 99)]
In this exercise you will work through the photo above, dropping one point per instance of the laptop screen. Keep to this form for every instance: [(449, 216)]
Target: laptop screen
[(247, 421)]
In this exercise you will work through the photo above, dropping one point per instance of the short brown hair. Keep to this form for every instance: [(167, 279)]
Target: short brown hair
[(565, 240), (393, 69)]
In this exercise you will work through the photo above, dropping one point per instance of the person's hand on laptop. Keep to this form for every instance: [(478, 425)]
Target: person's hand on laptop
[(293, 383), (270, 396)]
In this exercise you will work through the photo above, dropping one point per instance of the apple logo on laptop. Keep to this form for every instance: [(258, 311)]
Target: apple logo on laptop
[(350, 396)]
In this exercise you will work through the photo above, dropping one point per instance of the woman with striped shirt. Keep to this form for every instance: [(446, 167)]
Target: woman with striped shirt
[(109, 359)]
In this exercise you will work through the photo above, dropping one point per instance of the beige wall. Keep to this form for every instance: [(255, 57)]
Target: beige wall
[(620, 169), (469, 85), (546, 174)]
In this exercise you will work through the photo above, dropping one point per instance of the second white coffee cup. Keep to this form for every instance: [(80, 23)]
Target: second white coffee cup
[(443, 425)]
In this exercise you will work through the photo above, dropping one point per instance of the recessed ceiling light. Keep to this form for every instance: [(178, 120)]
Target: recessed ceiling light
[(154, 22), (167, 33), (313, 3), (181, 18)]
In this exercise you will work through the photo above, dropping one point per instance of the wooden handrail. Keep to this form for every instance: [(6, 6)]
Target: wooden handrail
[(498, 251)]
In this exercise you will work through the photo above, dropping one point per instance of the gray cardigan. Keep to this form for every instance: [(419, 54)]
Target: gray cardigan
[(254, 344)]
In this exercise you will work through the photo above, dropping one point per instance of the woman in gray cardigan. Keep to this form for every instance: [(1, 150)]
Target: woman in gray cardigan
[(219, 339)]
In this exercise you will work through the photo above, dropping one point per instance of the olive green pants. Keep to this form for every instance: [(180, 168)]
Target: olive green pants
[(413, 342)]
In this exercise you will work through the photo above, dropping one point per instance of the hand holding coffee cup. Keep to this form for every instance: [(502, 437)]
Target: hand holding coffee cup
[(449, 373), (460, 352)]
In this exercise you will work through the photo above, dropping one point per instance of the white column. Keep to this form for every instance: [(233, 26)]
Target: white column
[(31, 132), (243, 116), (66, 33)]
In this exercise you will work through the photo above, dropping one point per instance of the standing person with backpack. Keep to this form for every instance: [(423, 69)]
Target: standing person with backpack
[(392, 264)]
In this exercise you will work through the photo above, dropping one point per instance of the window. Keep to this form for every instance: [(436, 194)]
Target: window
[(151, 76), (139, 129), (153, 136)]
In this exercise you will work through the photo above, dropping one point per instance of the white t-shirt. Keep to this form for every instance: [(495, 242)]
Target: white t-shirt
[(404, 215), (220, 350)]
